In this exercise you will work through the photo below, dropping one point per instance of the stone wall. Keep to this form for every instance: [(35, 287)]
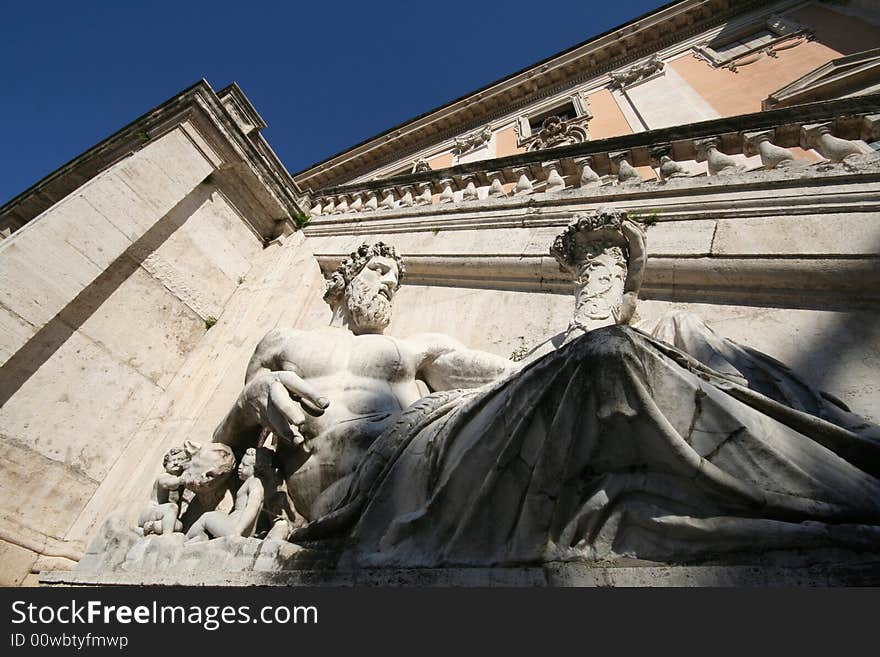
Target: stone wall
[(103, 298)]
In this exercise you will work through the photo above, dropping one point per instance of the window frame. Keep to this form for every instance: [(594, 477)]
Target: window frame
[(784, 28)]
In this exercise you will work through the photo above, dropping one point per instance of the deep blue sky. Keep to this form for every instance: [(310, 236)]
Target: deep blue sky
[(324, 75)]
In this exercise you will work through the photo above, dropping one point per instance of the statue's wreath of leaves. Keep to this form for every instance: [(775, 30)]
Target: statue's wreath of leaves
[(354, 263), (565, 244)]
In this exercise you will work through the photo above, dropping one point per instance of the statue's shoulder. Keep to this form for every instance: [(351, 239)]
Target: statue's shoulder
[(432, 344), (284, 334)]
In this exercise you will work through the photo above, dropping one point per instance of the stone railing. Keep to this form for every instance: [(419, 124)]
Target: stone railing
[(838, 131)]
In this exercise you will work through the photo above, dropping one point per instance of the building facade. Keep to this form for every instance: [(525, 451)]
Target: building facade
[(137, 279)]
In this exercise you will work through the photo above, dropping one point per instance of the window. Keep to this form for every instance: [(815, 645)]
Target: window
[(565, 112), (745, 44), (727, 48)]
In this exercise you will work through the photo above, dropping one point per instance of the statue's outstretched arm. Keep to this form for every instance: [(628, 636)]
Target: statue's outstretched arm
[(446, 364)]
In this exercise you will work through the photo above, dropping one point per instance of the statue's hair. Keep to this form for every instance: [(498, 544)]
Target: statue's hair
[(352, 266), (174, 452), (261, 459), (564, 246)]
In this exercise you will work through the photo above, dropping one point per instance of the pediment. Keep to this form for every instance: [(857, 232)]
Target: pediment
[(839, 77)]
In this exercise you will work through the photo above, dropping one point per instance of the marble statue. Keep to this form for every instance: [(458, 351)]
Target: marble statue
[(328, 394), (242, 520), (663, 443), (160, 514), (611, 443)]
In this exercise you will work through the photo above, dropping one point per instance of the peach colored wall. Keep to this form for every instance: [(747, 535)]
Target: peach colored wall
[(608, 120), (441, 161), (742, 92), (841, 33), (505, 142)]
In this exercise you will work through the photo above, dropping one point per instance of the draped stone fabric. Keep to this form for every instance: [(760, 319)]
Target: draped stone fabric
[(615, 445)]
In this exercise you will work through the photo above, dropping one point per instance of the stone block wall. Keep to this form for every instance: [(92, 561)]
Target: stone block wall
[(103, 297)]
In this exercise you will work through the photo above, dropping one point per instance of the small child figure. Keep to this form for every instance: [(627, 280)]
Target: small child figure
[(160, 515)]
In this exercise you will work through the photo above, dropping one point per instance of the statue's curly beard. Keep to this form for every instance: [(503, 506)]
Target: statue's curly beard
[(368, 309)]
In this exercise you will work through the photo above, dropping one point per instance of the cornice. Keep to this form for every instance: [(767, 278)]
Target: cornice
[(245, 159), (686, 19)]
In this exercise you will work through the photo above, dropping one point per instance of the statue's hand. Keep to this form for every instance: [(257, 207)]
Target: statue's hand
[(277, 401), (627, 308)]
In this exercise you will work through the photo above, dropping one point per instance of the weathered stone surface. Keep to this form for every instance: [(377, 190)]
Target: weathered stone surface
[(118, 556), (42, 496), (832, 234), (838, 351), (17, 562), (78, 406), (14, 332), (121, 308), (38, 277), (164, 171)]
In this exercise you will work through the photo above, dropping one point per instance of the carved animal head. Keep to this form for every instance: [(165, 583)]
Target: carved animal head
[(209, 468)]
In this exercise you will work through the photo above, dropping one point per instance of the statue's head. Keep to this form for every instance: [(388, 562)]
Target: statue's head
[(209, 467), (247, 464), (175, 461), (362, 287), (255, 462), (587, 235)]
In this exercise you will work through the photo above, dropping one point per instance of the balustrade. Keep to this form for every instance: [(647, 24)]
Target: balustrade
[(837, 139)]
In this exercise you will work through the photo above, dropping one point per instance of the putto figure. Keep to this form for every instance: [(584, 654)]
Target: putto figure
[(161, 513)]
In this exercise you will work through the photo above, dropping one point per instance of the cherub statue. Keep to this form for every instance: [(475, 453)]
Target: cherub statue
[(242, 520), (160, 516)]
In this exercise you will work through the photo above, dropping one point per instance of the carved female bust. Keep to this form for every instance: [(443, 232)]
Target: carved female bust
[(605, 254)]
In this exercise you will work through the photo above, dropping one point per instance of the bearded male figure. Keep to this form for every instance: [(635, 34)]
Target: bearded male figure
[(327, 394)]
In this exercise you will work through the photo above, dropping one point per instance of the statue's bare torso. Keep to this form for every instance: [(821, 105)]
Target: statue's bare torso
[(367, 382)]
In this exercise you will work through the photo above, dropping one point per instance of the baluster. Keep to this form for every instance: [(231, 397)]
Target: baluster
[(357, 202), (772, 156), (626, 173), (588, 177), (718, 162), (406, 196), (523, 184), (830, 147), (555, 182), (470, 189), (496, 188), (372, 203), (341, 204), (447, 195), (316, 209), (669, 168), (387, 199), (426, 194)]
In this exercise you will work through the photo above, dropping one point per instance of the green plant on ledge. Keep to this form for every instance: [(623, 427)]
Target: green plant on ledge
[(647, 219), (210, 320), (300, 218)]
